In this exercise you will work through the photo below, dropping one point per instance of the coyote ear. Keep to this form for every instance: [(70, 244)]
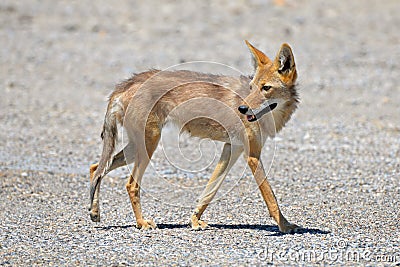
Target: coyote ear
[(284, 61), (259, 57)]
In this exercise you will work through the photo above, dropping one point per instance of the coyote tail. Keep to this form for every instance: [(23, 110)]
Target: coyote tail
[(109, 136)]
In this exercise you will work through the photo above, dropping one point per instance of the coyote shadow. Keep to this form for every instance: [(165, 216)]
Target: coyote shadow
[(110, 227), (159, 226), (270, 228), (259, 227)]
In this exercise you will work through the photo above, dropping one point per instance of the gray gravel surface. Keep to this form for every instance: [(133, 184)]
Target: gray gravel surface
[(336, 166)]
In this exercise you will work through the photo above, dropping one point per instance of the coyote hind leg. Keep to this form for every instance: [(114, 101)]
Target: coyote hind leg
[(118, 160)]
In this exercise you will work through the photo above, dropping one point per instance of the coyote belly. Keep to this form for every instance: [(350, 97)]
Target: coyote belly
[(240, 111)]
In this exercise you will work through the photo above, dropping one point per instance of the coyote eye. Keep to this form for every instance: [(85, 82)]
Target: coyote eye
[(266, 87)]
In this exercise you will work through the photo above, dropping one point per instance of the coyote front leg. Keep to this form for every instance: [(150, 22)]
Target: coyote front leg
[(228, 158), (269, 197), (133, 188), (142, 159)]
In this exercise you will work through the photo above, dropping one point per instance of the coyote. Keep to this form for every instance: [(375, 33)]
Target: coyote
[(251, 109)]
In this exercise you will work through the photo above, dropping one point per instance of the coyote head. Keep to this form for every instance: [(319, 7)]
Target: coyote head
[(273, 84)]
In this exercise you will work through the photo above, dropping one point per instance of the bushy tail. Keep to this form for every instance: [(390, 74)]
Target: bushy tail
[(109, 136)]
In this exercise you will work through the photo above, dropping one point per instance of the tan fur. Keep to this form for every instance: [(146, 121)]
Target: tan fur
[(205, 106)]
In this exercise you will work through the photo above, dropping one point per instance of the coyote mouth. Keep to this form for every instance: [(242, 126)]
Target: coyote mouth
[(251, 118), (258, 113)]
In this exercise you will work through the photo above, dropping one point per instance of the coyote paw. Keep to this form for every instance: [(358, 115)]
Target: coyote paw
[(95, 216), (197, 224), (200, 225), (145, 224), (289, 228)]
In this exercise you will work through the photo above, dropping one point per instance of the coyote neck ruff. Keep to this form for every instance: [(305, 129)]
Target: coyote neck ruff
[(239, 111)]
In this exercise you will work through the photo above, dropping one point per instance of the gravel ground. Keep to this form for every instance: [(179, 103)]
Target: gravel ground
[(336, 166)]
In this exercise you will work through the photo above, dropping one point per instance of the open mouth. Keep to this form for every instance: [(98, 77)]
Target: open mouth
[(256, 115), (251, 118)]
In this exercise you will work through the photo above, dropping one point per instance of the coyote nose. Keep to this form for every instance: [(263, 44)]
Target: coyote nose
[(243, 109)]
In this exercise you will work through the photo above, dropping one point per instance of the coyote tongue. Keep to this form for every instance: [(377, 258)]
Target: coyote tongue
[(251, 118)]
